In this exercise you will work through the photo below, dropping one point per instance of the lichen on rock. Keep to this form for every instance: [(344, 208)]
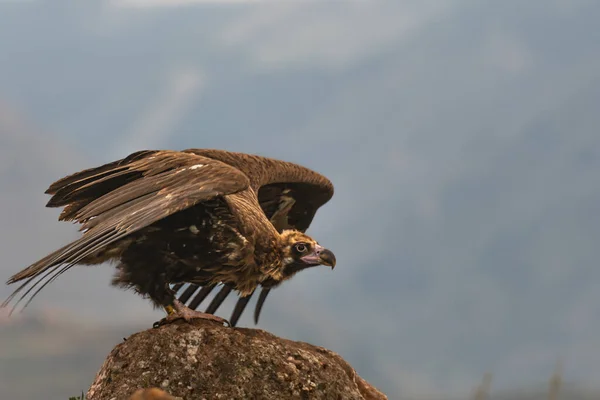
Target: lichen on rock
[(203, 360)]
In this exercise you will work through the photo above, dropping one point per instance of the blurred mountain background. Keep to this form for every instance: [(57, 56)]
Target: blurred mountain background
[(461, 136)]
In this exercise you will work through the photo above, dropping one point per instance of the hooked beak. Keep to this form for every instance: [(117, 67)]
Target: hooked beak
[(320, 256)]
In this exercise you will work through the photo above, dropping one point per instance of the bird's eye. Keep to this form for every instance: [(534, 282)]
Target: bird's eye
[(300, 247)]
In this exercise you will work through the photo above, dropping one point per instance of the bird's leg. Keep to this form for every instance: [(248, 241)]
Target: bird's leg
[(170, 310), (178, 310)]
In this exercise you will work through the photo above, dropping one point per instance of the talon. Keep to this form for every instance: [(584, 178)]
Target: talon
[(179, 311)]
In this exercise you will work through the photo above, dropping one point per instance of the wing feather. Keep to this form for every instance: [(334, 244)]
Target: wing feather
[(259, 304), (218, 299), (289, 195), (204, 291), (239, 309), (172, 182), (77, 179)]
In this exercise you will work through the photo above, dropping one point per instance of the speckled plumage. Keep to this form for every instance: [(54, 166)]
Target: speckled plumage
[(288, 205), (198, 216)]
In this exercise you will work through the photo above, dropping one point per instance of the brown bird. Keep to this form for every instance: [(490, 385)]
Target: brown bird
[(195, 216), (288, 206)]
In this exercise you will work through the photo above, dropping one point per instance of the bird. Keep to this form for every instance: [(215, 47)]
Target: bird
[(195, 216), (288, 207), (290, 213)]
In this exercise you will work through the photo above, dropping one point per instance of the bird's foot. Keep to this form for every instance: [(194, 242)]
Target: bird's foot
[(180, 311)]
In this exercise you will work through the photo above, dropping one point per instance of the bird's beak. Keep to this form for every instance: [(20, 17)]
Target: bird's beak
[(327, 258), (320, 255)]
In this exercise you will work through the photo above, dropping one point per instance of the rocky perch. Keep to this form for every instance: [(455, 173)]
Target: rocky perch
[(204, 360)]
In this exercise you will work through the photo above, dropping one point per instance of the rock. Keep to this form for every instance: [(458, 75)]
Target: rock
[(204, 360)]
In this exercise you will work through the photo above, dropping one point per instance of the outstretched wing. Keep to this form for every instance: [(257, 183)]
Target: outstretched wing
[(290, 196), (117, 199)]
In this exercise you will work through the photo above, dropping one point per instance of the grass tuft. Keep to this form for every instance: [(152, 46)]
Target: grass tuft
[(82, 397)]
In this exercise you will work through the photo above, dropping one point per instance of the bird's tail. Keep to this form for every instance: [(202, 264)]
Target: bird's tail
[(74, 192), (83, 250), (47, 269)]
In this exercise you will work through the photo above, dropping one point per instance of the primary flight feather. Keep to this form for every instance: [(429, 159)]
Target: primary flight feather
[(198, 216)]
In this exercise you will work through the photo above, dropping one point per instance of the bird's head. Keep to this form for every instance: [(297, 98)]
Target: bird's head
[(300, 251)]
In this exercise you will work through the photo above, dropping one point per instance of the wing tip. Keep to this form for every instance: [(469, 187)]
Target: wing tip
[(259, 304)]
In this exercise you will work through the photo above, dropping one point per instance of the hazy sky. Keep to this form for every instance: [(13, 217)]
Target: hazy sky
[(461, 136)]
